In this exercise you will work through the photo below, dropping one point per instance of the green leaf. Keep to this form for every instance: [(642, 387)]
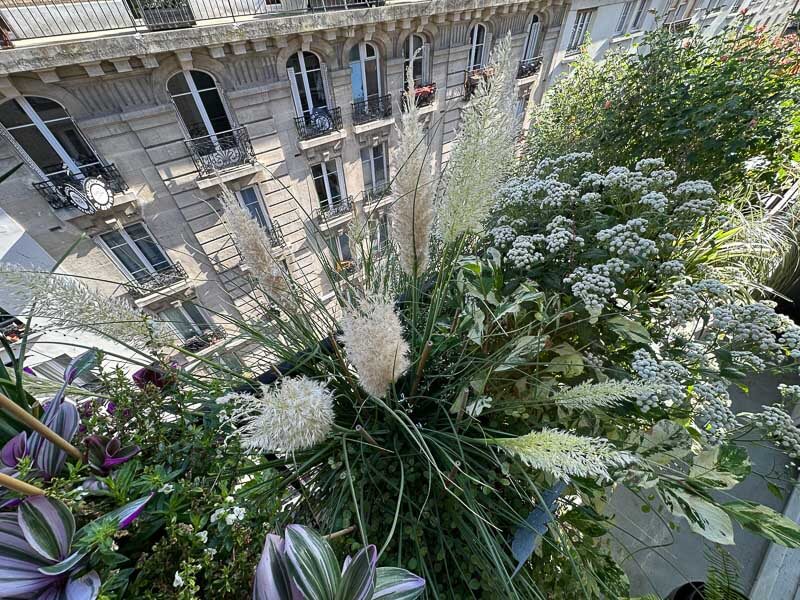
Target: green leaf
[(392, 583), (569, 361), (704, 517), (629, 329), (525, 346), (48, 526), (358, 578), (765, 522), (663, 443), (721, 467), (312, 563)]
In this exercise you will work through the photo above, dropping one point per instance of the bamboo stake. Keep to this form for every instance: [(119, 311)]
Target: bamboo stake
[(28, 419), (340, 533), (20, 486), (426, 351)]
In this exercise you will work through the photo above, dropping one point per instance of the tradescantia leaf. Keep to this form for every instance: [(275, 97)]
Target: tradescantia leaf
[(272, 581), (65, 565), (83, 588), (312, 563), (527, 536), (393, 583), (765, 522), (64, 420), (125, 515), (358, 577), (79, 365), (19, 563), (48, 526)]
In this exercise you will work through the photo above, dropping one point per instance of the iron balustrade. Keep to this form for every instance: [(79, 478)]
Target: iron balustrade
[(335, 208), (221, 151), (201, 341), (529, 67), (318, 123), (53, 188), (326, 5), (473, 78), (372, 108), (154, 282), (376, 194), (678, 26), (275, 235), (424, 95)]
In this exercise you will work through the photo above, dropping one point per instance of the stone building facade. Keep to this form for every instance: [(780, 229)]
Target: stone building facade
[(130, 136)]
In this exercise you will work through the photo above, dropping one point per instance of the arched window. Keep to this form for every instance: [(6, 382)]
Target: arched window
[(365, 72), (47, 137), (532, 43), (478, 44), (307, 76), (415, 54), (199, 104)]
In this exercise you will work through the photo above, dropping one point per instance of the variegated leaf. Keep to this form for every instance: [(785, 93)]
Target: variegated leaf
[(312, 563), (48, 526), (19, 563), (83, 588), (272, 581), (358, 578), (393, 583), (65, 421)]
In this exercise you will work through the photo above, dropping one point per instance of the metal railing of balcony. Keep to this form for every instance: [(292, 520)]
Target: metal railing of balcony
[(158, 281), (326, 5), (321, 122), (373, 108), (678, 26), (210, 336), (376, 193), (53, 188), (335, 208), (472, 79), (275, 235), (424, 95), (27, 19), (221, 151), (529, 67)]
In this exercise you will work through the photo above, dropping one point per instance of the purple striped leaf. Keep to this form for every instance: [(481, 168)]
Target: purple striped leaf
[(312, 563), (125, 515), (79, 365), (393, 583), (272, 581), (14, 450), (83, 588), (358, 576), (48, 526), (65, 566), (19, 563), (104, 454)]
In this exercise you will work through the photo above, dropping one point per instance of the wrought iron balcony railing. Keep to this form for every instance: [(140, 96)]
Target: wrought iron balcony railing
[(372, 109), (320, 122), (376, 193), (325, 5), (221, 151), (54, 192), (424, 95), (155, 282), (473, 78), (678, 26), (210, 336), (335, 208), (275, 235), (529, 67)]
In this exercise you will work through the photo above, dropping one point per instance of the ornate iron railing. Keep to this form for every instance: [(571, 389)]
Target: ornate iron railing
[(325, 5), (678, 26), (210, 336), (424, 95), (221, 151), (377, 193), (53, 188), (372, 109), (321, 122), (529, 67), (472, 79), (275, 235), (336, 208), (164, 278)]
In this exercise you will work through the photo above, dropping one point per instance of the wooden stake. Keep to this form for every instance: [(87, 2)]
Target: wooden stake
[(340, 533), (28, 419), (426, 351), (20, 486)]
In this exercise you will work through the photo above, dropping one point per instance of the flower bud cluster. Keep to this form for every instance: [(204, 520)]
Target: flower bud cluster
[(648, 165), (712, 410), (503, 236), (790, 340), (624, 239), (747, 325), (663, 178), (667, 376), (593, 288), (560, 235), (790, 394), (655, 200), (781, 429), (523, 253), (672, 268), (625, 179)]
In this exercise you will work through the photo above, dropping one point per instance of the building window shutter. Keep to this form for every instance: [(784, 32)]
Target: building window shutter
[(295, 92), (330, 100)]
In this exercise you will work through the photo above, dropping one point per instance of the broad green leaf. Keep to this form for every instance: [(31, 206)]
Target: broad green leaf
[(48, 526), (665, 442), (358, 578), (629, 329), (721, 467), (765, 522), (312, 564), (527, 345), (569, 361), (393, 583), (704, 517)]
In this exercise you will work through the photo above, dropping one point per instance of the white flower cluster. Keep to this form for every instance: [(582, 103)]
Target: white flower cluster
[(624, 239), (699, 198), (672, 268), (592, 182), (682, 305), (790, 339), (790, 394), (231, 514), (648, 165), (712, 410), (712, 287), (560, 236), (590, 198), (756, 163), (567, 162), (747, 325), (781, 428), (748, 360), (503, 236), (594, 288), (523, 253), (663, 178), (695, 189), (667, 377), (655, 200), (625, 179), (696, 207), (557, 193), (613, 266)]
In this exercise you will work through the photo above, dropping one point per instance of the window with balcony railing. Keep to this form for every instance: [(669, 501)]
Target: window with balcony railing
[(373, 108), (529, 67), (195, 331), (583, 20), (327, 181), (252, 201), (375, 170)]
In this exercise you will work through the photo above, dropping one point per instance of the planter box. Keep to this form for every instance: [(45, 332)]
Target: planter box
[(159, 19)]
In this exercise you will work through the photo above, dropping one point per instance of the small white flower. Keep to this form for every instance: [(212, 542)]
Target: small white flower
[(202, 536), (211, 552), (217, 514), (167, 488), (178, 581)]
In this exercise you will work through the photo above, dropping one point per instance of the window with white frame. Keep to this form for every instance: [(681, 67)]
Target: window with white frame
[(307, 74), (623, 17), (327, 183), (477, 47), (47, 136), (341, 249), (250, 199), (199, 104), (186, 319), (639, 14), (676, 11), (532, 43), (415, 56), (379, 228), (136, 251), (365, 71), (375, 168), (580, 28)]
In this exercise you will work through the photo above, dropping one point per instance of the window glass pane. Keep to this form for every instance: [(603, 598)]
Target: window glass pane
[(293, 63), (11, 115), (357, 80), (380, 166), (354, 55), (147, 246), (371, 75), (191, 117), (177, 84), (46, 108), (333, 184), (125, 255), (253, 205), (311, 61), (366, 166), (72, 141), (317, 87), (175, 317), (344, 248), (369, 51), (202, 81), (215, 109), (322, 194), (195, 315), (38, 148)]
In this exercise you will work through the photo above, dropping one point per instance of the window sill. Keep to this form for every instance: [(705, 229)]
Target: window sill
[(162, 294), (244, 170), (624, 37), (322, 140), (372, 125), (571, 56)]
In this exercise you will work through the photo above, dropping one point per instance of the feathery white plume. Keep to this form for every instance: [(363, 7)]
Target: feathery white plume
[(587, 396), (69, 303), (294, 414), (251, 240), (412, 211), (566, 455), (483, 150), (373, 342)]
